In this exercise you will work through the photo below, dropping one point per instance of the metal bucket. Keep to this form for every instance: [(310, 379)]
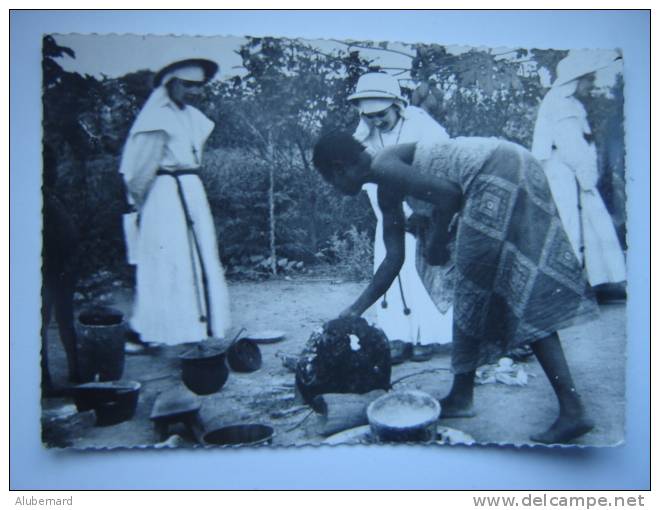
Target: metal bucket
[(405, 416), (101, 334)]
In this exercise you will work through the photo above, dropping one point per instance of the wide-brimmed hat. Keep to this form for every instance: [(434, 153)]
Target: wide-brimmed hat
[(193, 69), (375, 92), (579, 63)]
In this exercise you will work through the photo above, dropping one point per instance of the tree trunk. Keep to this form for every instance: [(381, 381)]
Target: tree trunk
[(271, 205), (313, 201)]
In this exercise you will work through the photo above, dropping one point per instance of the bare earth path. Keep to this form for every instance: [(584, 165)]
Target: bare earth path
[(506, 414)]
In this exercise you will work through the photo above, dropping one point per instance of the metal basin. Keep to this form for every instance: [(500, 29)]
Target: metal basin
[(234, 435), (406, 416)]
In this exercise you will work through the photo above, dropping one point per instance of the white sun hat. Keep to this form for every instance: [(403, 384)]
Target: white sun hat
[(376, 91), (582, 62)]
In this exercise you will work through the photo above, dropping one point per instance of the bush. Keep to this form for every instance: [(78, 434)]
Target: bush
[(353, 253)]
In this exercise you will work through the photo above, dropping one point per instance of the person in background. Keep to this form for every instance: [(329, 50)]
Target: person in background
[(59, 256), (563, 142), (408, 311), (181, 294), (517, 280)]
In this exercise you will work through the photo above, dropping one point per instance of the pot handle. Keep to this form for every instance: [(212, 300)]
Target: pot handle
[(236, 336)]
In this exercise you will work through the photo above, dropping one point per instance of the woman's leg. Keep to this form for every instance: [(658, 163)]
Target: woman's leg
[(459, 402), (572, 421)]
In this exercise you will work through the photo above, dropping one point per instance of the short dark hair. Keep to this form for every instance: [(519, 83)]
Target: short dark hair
[(334, 150)]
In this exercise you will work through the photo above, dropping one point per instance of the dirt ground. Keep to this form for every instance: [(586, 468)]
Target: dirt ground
[(505, 414)]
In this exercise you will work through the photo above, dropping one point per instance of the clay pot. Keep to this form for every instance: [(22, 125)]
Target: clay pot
[(330, 363), (101, 335), (203, 369), (244, 356)]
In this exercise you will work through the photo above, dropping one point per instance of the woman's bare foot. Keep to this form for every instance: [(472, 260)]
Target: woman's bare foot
[(565, 429), (456, 408)]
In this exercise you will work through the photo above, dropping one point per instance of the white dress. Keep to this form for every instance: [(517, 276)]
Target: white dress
[(570, 164), (428, 322), (170, 304)]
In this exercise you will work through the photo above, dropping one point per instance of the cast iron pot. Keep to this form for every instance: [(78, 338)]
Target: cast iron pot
[(203, 369), (244, 356), (112, 402)]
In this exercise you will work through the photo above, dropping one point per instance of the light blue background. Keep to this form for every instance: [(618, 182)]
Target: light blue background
[(33, 467)]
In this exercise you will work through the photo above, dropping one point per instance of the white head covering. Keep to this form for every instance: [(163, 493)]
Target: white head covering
[(189, 73), (559, 102), (579, 63), (159, 113), (376, 91), (373, 105)]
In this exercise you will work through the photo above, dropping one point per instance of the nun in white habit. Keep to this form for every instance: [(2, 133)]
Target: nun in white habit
[(418, 308), (563, 143), (181, 294)]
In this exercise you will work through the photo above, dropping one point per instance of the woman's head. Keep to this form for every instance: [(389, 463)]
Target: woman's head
[(378, 98), (384, 119), (181, 91), (183, 79), (342, 161)]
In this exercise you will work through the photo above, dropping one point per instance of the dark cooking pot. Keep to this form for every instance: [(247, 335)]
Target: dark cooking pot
[(244, 356), (203, 368), (112, 402)]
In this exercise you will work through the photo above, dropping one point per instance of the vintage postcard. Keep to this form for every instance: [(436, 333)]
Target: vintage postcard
[(266, 241)]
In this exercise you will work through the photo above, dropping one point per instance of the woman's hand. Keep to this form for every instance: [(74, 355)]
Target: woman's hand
[(416, 224), (437, 255)]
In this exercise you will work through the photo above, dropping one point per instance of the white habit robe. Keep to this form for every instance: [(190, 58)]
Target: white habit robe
[(570, 164), (428, 322), (169, 304)]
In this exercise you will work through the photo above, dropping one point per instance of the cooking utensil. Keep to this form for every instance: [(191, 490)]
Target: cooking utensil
[(404, 416), (177, 405), (243, 434), (266, 336)]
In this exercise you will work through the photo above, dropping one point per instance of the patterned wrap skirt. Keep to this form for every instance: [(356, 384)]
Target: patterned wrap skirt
[(517, 279)]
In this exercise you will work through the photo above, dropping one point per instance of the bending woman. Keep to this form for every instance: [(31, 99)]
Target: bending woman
[(181, 293), (517, 278)]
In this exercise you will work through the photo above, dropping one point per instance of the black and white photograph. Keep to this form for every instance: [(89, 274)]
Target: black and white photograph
[(268, 241)]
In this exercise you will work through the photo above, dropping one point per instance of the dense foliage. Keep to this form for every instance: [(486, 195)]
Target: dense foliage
[(272, 211)]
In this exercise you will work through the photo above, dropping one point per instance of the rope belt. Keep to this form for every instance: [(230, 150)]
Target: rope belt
[(178, 173), (175, 174)]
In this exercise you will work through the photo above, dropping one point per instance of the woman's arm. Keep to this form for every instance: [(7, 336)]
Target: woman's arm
[(394, 238), (576, 152), (146, 160)]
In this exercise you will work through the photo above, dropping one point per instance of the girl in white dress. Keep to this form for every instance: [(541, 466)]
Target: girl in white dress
[(181, 294)]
